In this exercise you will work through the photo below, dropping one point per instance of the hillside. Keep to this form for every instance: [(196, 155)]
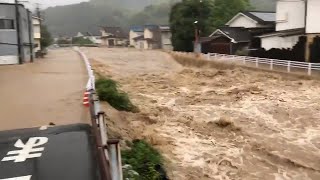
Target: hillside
[(87, 16)]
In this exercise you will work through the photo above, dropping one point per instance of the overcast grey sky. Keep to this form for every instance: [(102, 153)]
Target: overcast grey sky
[(46, 3)]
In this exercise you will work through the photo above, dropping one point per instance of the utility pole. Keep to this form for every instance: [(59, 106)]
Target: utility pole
[(18, 31)]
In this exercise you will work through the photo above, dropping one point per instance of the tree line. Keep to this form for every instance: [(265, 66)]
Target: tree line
[(203, 15)]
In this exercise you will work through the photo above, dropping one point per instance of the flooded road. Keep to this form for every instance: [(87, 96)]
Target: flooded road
[(49, 90), (216, 124)]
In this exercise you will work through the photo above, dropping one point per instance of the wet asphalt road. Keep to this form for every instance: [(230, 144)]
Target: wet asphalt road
[(49, 90)]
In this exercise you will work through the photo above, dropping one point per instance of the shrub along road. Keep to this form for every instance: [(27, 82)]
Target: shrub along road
[(49, 90)]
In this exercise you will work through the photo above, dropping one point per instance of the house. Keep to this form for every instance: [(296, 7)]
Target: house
[(135, 31), (166, 43), (239, 33), (79, 34), (94, 37), (36, 22), (297, 32), (153, 37), (113, 36), (16, 34), (226, 40)]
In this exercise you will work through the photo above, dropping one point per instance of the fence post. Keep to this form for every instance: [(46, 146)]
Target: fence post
[(257, 62), (271, 64), (288, 67), (309, 69)]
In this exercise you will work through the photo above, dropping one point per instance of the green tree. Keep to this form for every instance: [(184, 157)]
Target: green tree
[(210, 14), (182, 18), (224, 10), (46, 38), (81, 41)]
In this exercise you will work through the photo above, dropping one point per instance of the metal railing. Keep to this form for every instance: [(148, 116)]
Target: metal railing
[(108, 150), (272, 63)]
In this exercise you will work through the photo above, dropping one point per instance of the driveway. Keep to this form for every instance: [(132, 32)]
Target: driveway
[(49, 90)]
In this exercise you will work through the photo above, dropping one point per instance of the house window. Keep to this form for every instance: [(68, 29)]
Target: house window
[(6, 24)]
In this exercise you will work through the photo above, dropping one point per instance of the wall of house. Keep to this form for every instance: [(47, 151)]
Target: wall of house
[(146, 45), (103, 33), (25, 23), (277, 42), (243, 21), (313, 15), (220, 45), (133, 34), (290, 14), (297, 53), (36, 33), (8, 37), (166, 43), (147, 33), (8, 53), (95, 39), (139, 44)]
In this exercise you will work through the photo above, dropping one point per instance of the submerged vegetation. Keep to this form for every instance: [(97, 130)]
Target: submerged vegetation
[(108, 91), (143, 162)]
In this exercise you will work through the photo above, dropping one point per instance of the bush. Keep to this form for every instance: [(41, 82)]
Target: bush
[(107, 91), (144, 160), (81, 41)]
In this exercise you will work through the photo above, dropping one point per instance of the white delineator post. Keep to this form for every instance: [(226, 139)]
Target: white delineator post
[(309, 69), (271, 64), (208, 56), (288, 67), (257, 62)]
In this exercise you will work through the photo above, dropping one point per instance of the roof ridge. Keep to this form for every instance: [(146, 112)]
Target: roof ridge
[(260, 11)]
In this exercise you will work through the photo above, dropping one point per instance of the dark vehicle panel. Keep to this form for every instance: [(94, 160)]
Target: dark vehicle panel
[(56, 153)]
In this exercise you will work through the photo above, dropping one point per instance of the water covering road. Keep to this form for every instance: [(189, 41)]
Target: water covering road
[(49, 90)]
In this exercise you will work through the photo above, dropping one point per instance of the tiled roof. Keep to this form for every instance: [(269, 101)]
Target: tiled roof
[(261, 17), (238, 34), (137, 28)]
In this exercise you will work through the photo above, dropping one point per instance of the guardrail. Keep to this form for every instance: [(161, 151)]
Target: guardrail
[(108, 150), (309, 67)]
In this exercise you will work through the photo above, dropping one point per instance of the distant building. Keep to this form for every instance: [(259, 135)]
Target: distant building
[(79, 34), (12, 52), (113, 36), (166, 43), (93, 37), (135, 31), (36, 22), (151, 37)]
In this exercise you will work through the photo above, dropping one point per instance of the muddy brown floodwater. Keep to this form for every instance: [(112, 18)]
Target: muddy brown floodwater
[(216, 124)]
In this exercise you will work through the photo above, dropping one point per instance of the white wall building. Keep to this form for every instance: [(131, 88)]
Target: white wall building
[(252, 19), (151, 37), (166, 43), (290, 14), (135, 31), (36, 22), (294, 18), (113, 36), (313, 15)]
